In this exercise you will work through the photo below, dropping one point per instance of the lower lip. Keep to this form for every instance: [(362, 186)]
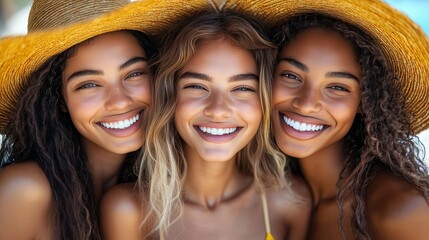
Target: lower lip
[(126, 131), (217, 138), (302, 135)]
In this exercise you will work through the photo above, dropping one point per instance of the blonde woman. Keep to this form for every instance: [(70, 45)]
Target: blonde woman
[(209, 169)]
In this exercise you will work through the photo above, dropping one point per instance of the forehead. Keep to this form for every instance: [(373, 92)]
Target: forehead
[(320, 38), (222, 54), (120, 45), (319, 46), (108, 42)]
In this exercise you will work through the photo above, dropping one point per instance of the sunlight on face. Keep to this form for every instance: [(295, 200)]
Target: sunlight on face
[(316, 93), (218, 109), (107, 91)]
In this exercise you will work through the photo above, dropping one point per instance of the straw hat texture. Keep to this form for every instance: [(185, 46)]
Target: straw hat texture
[(402, 41), (56, 25)]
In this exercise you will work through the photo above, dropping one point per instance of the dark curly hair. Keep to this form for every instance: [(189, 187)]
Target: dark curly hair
[(381, 137), (40, 130)]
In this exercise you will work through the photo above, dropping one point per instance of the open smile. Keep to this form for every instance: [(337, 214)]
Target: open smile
[(217, 134), (122, 124), (302, 127), (217, 131)]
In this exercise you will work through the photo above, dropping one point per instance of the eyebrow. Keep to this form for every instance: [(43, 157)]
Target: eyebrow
[(238, 77), (98, 72), (195, 75), (132, 61), (296, 63), (305, 68), (84, 73), (342, 75)]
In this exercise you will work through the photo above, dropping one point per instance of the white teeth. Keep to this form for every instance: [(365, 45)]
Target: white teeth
[(303, 127), (217, 131), (121, 124)]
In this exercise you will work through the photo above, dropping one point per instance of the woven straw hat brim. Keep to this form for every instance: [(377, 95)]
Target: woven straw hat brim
[(22, 55), (402, 41)]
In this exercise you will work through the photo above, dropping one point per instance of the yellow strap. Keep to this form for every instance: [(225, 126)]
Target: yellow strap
[(266, 215), (269, 237)]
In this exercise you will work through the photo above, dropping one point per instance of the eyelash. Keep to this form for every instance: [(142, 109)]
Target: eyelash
[(87, 85), (136, 74), (194, 86), (340, 88), (244, 89), (290, 76), (336, 87)]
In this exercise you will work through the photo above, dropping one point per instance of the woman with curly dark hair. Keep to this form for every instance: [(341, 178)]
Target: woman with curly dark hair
[(339, 109), (77, 120)]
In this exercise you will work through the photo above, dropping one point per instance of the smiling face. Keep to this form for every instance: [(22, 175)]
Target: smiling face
[(316, 93), (218, 109), (106, 89)]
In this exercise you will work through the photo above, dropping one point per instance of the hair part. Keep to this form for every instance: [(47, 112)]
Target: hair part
[(381, 137)]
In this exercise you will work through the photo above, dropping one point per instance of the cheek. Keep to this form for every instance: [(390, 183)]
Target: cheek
[(185, 109), (345, 112), (82, 109), (142, 93), (251, 111), (276, 95), (280, 93)]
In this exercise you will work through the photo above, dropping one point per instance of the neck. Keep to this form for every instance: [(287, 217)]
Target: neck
[(209, 184), (104, 167), (321, 171)]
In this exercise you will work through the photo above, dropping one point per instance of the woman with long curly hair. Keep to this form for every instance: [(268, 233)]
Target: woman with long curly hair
[(75, 129), (209, 168), (339, 109)]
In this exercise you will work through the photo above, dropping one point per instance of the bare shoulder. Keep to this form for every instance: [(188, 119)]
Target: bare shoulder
[(293, 205), (121, 212), (396, 209), (22, 187), (122, 197)]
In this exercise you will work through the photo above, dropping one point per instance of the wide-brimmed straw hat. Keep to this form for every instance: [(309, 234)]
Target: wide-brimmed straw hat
[(402, 41), (56, 25)]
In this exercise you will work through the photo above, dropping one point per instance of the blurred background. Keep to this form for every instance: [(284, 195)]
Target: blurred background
[(14, 13)]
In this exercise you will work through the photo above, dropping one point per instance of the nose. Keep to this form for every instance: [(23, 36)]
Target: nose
[(218, 107), (308, 100), (117, 98)]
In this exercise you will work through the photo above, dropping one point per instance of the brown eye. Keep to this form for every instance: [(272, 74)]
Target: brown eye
[(136, 74), (290, 76)]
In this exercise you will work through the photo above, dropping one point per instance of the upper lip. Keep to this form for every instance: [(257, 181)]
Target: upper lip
[(303, 119), (122, 116)]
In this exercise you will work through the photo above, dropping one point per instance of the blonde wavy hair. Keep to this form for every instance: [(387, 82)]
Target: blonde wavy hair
[(163, 166)]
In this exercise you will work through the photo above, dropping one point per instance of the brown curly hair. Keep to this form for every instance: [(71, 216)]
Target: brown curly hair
[(41, 131), (381, 137)]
